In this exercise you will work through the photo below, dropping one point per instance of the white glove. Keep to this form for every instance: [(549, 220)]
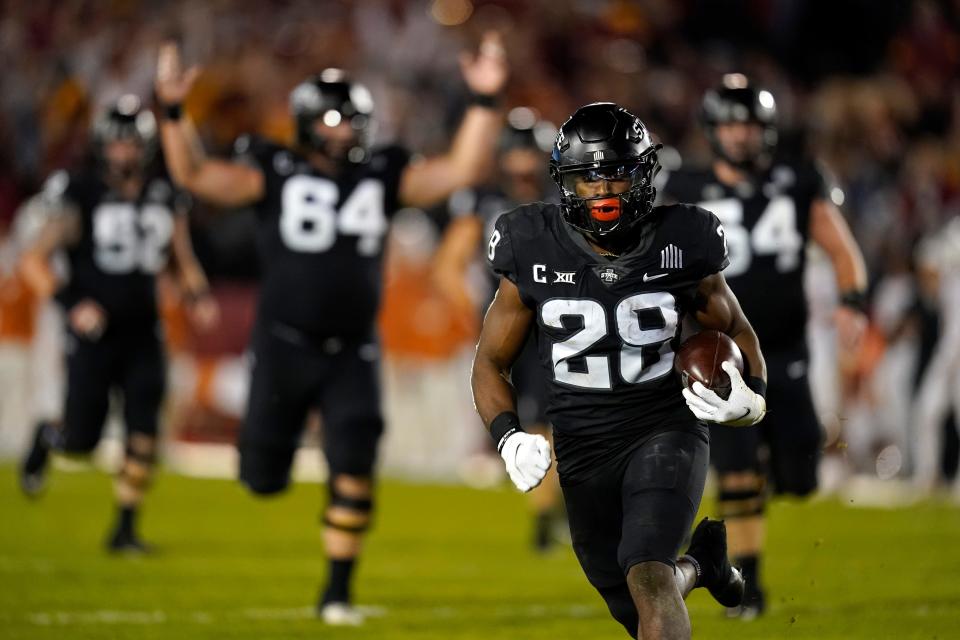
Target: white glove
[(527, 457), (742, 409)]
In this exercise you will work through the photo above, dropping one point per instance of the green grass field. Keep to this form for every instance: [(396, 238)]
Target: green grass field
[(444, 562)]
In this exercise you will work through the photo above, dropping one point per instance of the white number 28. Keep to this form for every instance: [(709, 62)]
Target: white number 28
[(636, 340)]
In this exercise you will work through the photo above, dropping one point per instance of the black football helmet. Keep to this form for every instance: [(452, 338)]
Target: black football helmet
[(525, 129), (333, 98), (600, 145), (736, 100), (126, 119)]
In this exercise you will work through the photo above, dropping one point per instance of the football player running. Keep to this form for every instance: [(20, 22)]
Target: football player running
[(770, 208), (602, 281), (118, 222), (323, 208)]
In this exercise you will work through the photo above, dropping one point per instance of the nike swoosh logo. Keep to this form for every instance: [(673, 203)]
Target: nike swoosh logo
[(647, 277), (746, 412)]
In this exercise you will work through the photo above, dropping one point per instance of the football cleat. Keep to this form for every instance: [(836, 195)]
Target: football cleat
[(708, 549), (126, 542), (33, 469), (340, 614), (753, 605)]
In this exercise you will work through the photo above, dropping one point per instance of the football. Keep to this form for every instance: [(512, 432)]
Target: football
[(699, 359)]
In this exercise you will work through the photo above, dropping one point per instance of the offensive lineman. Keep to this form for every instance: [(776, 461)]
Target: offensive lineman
[(603, 281), (769, 208), (323, 208), (118, 222)]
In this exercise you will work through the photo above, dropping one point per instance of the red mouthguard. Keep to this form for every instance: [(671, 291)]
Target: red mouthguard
[(605, 210)]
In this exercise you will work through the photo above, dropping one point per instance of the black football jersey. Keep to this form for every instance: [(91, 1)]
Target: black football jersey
[(123, 243), (767, 226), (320, 239), (607, 328)]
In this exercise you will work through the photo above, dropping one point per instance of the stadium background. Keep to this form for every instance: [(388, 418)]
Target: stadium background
[(871, 88)]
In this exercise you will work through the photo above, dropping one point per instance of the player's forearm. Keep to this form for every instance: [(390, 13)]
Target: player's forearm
[(745, 338), (849, 269), (182, 151), (474, 145), (492, 393)]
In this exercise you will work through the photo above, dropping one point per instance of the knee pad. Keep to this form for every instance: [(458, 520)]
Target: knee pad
[(140, 458), (621, 607), (349, 514), (747, 500), (265, 470)]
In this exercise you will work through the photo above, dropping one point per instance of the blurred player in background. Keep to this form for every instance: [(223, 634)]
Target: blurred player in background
[(521, 178), (119, 222), (323, 207), (603, 281), (769, 208)]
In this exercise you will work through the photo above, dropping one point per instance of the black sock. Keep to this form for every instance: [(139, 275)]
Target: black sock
[(750, 568), (338, 586), (126, 520)]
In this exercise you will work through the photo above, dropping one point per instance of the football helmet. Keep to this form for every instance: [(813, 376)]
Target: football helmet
[(126, 119), (604, 162), (737, 100), (332, 97)]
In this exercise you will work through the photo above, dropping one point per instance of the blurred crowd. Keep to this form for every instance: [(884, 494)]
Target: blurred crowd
[(871, 89)]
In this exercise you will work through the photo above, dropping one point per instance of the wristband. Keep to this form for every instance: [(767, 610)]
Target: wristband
[(67, 297), (855, 299), (503, 426), (173, 112), (758, 386), (485, 100)]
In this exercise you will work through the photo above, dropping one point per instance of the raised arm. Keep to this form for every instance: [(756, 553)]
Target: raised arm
[(718, 308), (471, 155), (224, 183)]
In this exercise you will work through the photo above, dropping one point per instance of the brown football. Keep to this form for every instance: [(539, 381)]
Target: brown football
[(699, 359)]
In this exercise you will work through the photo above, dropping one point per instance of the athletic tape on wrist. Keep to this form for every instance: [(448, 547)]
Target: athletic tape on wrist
[(758, 386), (486, 100), (173, 112), (503, 426), (855, 299)]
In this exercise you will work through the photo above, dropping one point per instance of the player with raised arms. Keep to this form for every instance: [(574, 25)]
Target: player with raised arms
[(603, 280), (323, 207)]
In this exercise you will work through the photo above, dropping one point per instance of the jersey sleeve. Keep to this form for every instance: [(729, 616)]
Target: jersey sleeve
[(713, 243), (500, 253)]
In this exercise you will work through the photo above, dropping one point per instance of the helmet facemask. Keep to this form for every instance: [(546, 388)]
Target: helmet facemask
[(334, 101), (127, 122), (736, 101), (607, 200)]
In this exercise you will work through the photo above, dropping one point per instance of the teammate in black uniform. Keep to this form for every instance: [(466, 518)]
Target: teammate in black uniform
[(118, 222), (323, 207), (521, 178), (603, 281), (769, 208)]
